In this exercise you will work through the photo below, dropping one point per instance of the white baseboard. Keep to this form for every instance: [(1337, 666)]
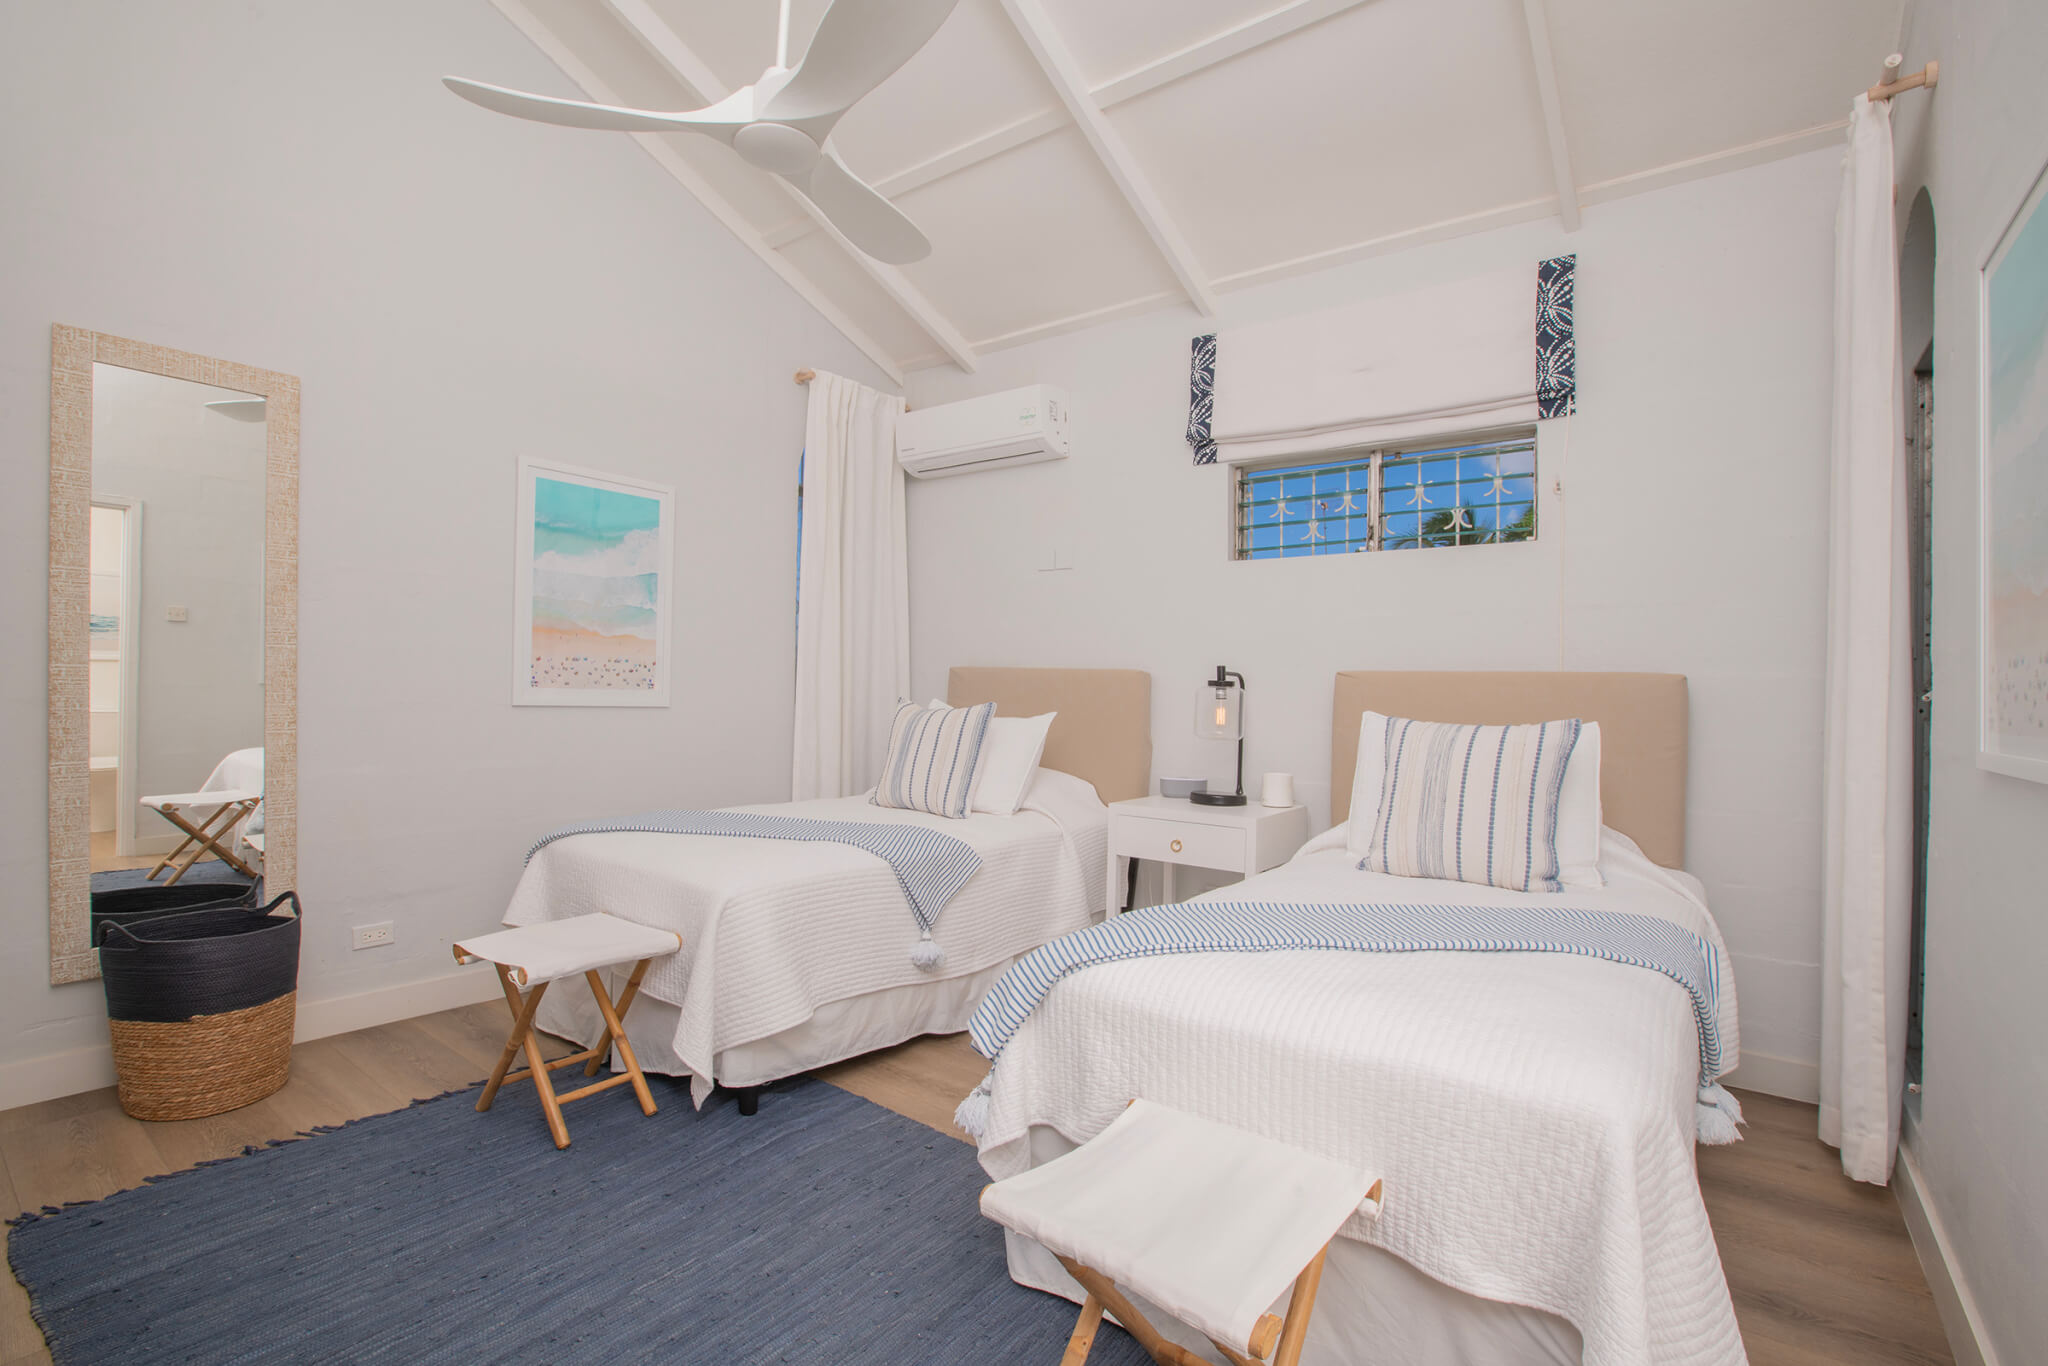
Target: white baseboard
[(89, 1069), (1959, 1316), (342, 1014), (1787, 1077)]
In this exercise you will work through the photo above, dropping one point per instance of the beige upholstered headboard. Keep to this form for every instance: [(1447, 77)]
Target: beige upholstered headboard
[(1643, 720), (1104, 729)]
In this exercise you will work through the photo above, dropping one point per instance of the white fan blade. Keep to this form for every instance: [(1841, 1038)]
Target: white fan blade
[(857, 45), (577, 114), (869, 221)]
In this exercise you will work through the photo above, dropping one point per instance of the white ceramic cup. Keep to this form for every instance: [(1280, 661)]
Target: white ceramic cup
[(1279, 790)]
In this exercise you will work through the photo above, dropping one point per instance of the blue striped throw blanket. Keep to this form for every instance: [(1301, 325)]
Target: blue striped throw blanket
[(930, 867), (1642, 941)]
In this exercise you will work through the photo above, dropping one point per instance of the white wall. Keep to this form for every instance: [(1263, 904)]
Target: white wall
[(1690, 537), (289, 186), (1975, 145), (198, 476)]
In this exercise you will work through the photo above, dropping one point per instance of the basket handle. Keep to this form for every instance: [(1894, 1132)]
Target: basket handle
[(108, 927)]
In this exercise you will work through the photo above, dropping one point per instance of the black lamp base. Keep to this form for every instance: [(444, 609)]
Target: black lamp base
[(1217, 798)]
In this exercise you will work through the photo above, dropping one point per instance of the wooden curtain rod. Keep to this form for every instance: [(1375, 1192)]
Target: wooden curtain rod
[(1891, 83), (806, 376)]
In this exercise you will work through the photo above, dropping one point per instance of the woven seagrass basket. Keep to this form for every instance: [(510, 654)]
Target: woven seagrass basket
[(201, 1006)]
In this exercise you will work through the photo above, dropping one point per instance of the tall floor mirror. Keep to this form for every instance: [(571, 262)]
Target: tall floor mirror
[(173, 628)]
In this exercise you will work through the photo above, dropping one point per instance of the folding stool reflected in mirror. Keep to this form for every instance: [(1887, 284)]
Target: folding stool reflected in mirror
[(225, 809), (535, 956), (1207, 1222)]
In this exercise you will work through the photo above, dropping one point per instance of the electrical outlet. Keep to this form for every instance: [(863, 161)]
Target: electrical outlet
[(371, 936)]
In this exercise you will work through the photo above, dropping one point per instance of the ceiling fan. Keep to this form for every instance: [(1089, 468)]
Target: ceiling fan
[(783, 121)]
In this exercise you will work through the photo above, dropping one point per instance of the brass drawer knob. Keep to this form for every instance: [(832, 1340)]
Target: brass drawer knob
[(1176, 846)]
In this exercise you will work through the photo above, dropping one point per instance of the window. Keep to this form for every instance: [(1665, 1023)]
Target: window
[(1469, 493)]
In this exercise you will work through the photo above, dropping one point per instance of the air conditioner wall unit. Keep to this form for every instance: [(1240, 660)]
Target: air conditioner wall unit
[(1015, 427)]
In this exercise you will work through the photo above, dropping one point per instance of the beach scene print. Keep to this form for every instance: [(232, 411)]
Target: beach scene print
[(2016, 502), (596, 587)]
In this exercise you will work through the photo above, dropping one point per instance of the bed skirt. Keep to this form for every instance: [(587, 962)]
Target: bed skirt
[(837, 1031)]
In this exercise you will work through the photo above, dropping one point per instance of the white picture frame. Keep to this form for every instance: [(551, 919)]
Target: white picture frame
[(595, 628), (2012, 493)]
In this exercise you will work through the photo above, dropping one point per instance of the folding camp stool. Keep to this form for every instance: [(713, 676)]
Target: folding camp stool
[(225, 809), (540, 954), (1205, 1221)]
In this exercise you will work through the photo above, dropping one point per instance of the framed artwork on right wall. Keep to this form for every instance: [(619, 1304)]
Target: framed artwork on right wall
[(2012, 482)]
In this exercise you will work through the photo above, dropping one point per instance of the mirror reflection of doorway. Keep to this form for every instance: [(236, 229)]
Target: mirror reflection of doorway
[(112, 661)]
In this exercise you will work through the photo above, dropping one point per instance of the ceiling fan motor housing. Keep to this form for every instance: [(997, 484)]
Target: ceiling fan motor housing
[(776, 147)]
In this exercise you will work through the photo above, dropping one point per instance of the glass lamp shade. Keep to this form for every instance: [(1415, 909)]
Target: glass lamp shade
[(1219, 712)]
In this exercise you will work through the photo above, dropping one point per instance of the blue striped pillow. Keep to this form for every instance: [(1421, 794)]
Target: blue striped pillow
[(933, 753), (1472, 803)]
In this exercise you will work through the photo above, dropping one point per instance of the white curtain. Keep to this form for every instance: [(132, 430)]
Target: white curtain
[(1867, 803), (853, 590)]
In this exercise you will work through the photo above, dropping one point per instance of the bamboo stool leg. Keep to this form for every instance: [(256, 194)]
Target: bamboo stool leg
[(1079, 1345), (1100, 1288), (171, 857), (617, 1032), (522, 1025), (1299, 1306), (622, 1005), (544, 1083)]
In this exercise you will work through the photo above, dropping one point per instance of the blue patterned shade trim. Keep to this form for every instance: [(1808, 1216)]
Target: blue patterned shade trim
[(1557, 387), (1201, 393)]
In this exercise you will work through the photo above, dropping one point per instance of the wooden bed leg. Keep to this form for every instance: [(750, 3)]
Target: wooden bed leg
[(750, 1099)]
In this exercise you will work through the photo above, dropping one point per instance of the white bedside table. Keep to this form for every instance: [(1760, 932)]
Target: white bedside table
[(1175, 832)]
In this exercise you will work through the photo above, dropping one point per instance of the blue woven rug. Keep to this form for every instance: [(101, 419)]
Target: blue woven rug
[(823, 1229)]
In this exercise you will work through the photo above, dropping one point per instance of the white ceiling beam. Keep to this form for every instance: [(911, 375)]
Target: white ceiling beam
[(1219, 47), (1535, 15), (680, 170), (1140, 80), (701, 83), (1035, 27)]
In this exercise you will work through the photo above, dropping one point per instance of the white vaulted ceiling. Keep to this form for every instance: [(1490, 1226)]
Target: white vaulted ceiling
[(1077, 160)]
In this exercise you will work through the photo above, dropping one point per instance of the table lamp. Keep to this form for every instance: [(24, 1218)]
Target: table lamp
[(1219, 715)]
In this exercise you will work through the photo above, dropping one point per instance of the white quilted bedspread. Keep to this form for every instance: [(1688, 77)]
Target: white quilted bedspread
[(774, 929), (1531, 1114)]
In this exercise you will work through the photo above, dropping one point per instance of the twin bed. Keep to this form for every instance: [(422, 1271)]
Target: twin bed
[(1532, 1113), (794, 953)]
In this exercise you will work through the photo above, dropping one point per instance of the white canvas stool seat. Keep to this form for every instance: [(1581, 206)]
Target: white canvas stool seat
[(537, 955), (1208, 1222), (205, 819)]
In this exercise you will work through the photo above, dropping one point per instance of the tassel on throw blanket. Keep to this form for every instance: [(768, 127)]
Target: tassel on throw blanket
[(930, 867), (1266, 927)]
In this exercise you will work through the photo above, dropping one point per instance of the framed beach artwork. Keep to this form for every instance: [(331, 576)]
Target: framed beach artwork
[(2013, 485), (595, 567)]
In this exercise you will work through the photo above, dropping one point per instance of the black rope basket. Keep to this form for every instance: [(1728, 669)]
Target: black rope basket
[(201, 1006), (127, 905)]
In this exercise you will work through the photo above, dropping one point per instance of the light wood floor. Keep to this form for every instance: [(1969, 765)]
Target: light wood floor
[(1821, 1267)]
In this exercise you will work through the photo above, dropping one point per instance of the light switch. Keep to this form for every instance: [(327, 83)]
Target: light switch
[(177, 614)]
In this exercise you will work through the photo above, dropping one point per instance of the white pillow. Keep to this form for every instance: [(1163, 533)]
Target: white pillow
[(1578, 804), (1368, 780), (1009, 757), (1578, 813)]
